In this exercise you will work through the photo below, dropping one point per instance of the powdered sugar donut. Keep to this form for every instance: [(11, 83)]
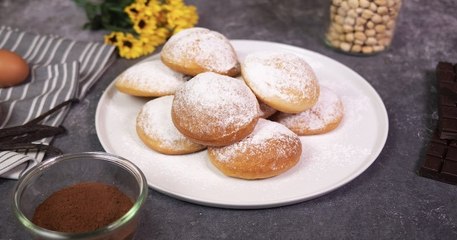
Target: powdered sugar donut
[(323, 117), (268, 151), (156, 130), (214, 109), (196, 50), (265, 110), (150, 79), (282, 80)]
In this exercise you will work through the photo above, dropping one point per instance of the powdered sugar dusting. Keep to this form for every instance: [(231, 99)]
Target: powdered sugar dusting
[(265, 110), (265, 130), (206, 48), (280, 74), (346, 146), (219, 100), (152, 76), (355, 106), (155, 120), (327, 109), (319, 158)]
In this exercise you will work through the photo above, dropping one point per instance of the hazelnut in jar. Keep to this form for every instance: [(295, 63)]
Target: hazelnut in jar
[(362, 26)]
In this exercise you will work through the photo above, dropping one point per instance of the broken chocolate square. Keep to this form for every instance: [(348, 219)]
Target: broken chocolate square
[(440, 161)]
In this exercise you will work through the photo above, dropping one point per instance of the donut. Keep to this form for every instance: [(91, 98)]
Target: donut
[(268, 151), (284, 81), (197, 50), (156, 130), (323, 117), (215, 110), (265, 110), (150, 79)]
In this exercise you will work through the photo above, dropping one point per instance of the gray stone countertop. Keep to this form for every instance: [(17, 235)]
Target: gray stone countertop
[(387, 201)]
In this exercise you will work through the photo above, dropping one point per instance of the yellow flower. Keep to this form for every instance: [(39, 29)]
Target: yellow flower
[(174, 3), (155, 7), (178, 22), (130, 46), (145, 25), (151, 41), (147, 46), (140, 9), (163, 32), (153, 21), (113, 38), (134, 10), (180, 16), (158, 37)]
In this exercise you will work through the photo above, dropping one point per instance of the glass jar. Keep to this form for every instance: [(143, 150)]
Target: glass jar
[(362, 26), (69, 169)]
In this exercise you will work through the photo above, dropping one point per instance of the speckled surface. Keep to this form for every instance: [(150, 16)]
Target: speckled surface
[(388, 201)]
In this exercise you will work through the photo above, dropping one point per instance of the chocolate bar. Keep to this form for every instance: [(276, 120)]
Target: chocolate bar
[(446, 76), (440, 160)]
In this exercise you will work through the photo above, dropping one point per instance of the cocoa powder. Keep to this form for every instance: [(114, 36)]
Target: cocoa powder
[(82, 207)]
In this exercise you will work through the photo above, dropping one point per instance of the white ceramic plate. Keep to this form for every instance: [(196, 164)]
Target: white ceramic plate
[(328, 161)]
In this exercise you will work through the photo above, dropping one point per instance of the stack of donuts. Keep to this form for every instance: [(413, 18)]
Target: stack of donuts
[(204, 98)]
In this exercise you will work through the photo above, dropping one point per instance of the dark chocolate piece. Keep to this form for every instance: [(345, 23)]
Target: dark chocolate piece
[(437, 150), (447, 89), (448, 112), (432, 165), (445, 73), (447, 101), (440, 161), (449, 171), (451, 154), (446, 76), (437, 139), (444, 67), (448, 128)]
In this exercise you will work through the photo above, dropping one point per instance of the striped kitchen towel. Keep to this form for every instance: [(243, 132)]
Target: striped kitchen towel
[(61, 70)]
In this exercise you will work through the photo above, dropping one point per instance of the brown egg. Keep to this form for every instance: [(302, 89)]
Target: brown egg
[(13, 69)]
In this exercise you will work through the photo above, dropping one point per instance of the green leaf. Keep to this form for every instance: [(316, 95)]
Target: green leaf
[(109, 15)]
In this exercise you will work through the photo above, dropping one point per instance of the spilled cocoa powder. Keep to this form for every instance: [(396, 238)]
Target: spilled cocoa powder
[(82, 207)]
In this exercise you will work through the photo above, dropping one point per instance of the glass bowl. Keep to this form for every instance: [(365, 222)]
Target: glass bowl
[(70, 169)]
